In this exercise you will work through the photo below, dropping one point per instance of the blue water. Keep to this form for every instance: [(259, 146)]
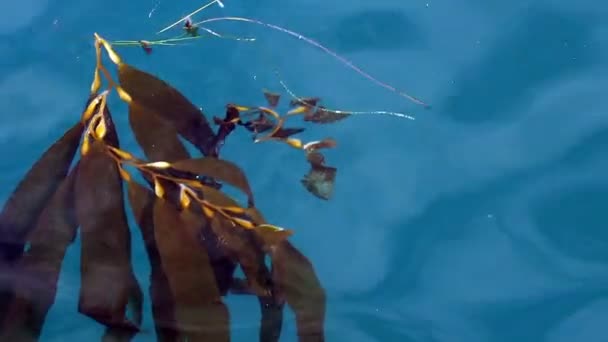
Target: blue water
[(485, 219)]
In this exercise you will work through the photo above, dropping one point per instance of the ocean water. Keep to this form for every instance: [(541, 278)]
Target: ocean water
[(484, 219)]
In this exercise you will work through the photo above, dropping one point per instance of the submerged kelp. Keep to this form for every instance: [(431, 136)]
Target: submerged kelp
[(195, 235)]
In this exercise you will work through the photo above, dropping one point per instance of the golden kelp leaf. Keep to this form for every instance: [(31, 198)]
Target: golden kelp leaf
[(33, 192), (297, 282), (111, 137), (142, 201), (107, 280), (320, 181), (37, 272), (219, 169), (199, 312), (323, 115), (152, 92), (93, 123), (157, 137)]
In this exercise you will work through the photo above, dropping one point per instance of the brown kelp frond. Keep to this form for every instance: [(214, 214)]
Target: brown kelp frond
[(293, 281), (320, 178), (199, 313), (25, 204), (142, 201), (297, 282), (241, 248), (37, 271), (145, 90), (157, 137), (108, 286), (24, 207), (159, 97)]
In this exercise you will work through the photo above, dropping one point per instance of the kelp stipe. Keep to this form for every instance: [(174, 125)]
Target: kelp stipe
[(195, 235)]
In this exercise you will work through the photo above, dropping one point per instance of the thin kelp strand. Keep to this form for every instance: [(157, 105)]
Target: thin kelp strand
[(375, 112), (160, 43), (325, 49), (154, 42), (170, 41), (191, 14), (214, 33)]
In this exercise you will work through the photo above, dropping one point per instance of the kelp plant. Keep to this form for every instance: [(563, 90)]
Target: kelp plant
[(194, 233)]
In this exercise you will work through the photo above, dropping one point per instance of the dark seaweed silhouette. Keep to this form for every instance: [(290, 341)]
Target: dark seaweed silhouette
[(195, 235)]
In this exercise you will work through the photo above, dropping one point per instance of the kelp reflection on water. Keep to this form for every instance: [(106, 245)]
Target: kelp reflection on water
[(195, 235)]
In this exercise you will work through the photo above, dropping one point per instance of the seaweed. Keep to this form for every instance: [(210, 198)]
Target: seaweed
[(194, 233)]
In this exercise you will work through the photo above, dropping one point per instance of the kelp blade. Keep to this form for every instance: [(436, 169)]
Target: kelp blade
[(324, 116), (241, 246), (272, 319), (222, 261), (223, 238), (27, 201), (33, 192), (199, 312), (227, 239), (294, 275), (152, 92), (142, 204), (157, 137), (271, 306), (37, 272), (320, 181), (108, 284), (218, 169)]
